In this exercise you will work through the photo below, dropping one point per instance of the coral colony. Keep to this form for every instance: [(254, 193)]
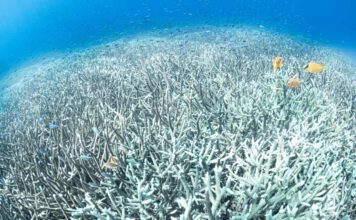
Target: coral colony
[(196, 124)]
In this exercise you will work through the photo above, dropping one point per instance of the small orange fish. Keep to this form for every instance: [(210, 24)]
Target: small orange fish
[(314, 67), (294, 83), (111, 163), (277, 63)]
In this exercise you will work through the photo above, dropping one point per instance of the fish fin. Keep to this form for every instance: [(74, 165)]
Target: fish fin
[(306, 67)]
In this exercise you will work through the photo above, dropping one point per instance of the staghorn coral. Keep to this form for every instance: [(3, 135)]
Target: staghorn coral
[(200, 125)]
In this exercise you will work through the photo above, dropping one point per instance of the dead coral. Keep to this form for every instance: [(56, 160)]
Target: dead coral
[(198, 126)]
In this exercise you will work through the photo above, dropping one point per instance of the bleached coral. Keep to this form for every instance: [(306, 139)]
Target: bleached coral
[(201, 126)]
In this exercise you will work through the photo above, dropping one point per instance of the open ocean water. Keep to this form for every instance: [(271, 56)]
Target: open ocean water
[(177, 109), (31, 28)]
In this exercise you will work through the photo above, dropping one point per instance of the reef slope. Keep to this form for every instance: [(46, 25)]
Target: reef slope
[(200, 126)]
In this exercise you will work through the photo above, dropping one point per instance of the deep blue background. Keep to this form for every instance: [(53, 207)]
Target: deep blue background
[(29, 28)]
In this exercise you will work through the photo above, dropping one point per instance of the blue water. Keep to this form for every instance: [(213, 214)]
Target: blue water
[(31, 28)]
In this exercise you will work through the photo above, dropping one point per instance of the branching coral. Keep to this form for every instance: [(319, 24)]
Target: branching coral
[(200, 125)]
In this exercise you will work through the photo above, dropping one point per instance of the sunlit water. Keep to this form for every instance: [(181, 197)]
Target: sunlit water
[(34, 28)]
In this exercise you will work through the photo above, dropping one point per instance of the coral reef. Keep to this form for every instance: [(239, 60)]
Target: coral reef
[(196, 125)]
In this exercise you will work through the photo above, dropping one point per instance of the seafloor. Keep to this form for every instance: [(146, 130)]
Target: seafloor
[(195, 123)]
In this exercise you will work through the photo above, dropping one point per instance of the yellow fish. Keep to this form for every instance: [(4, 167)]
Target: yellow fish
[(277, 63), (314, 67), (111, 163), (294, 83)]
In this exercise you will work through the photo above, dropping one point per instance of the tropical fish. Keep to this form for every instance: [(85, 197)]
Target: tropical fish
[(106, 174), (277, 63), (96, 131), (313, 67), (52, 126), (85, 157), (111, 163), (132, 161), (39, 120), (93, 185), (294, 83)]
